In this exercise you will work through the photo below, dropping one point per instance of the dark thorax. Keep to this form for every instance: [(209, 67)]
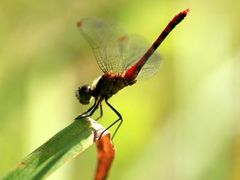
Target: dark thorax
[(110, 84)]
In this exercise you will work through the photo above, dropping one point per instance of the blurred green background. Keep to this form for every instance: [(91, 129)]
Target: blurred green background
[(182, 124)]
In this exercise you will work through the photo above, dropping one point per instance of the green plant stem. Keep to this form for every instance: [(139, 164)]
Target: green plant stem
[(61, 148)]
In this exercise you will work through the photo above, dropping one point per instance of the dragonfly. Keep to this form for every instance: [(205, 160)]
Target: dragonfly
[(124, 58)]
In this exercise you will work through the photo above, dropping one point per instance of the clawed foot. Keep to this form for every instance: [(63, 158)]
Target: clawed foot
[(81, 116)]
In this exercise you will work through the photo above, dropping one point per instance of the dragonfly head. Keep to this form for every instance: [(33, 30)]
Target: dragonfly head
[(84, 94)]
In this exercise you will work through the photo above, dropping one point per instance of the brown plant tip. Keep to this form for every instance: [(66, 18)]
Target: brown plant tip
[(106, 154)]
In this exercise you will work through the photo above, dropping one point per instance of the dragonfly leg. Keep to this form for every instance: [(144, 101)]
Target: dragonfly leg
[(101, 112), (120, 120), (91, 110)]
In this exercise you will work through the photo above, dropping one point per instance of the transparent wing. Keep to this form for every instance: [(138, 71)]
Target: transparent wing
[(133, 47), (115, 50), (104, 37)]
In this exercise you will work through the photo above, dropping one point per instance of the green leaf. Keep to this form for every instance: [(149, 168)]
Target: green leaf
[(61, 148)]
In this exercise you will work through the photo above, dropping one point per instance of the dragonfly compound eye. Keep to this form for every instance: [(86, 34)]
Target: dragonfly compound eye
[(84, 94)]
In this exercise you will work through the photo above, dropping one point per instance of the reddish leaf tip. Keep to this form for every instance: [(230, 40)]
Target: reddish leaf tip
[(106, 154)]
